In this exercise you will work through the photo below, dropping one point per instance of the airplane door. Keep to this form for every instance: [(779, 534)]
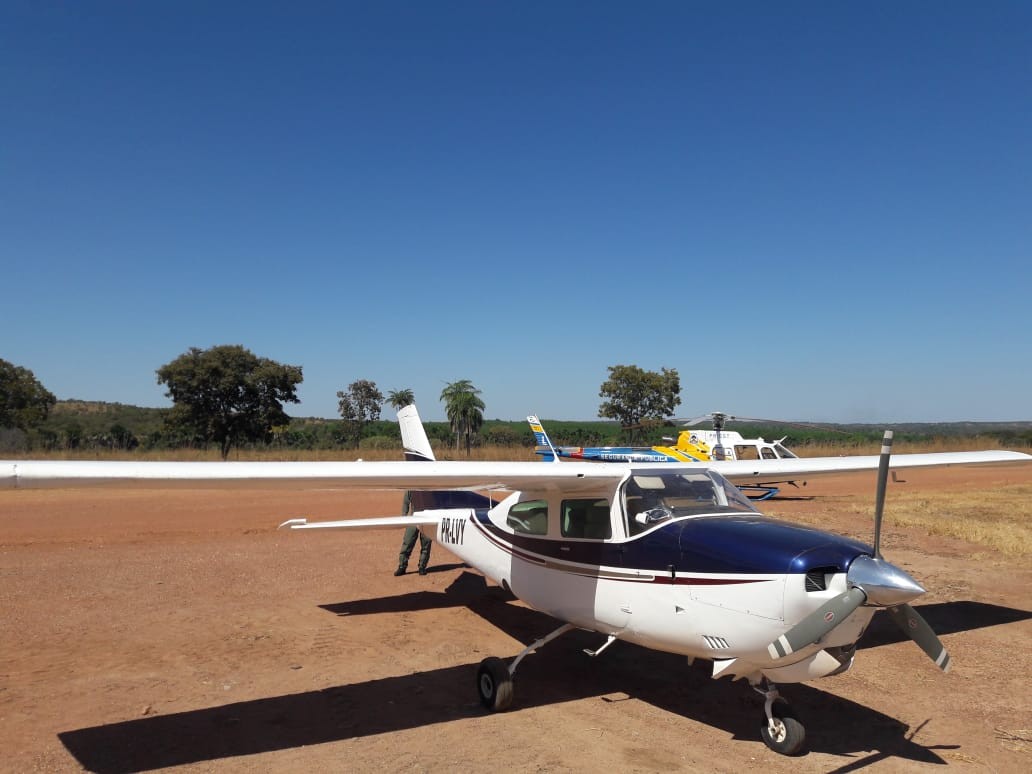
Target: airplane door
[(654, 556)]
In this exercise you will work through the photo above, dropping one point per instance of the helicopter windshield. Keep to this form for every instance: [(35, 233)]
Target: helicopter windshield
[(655, 496)]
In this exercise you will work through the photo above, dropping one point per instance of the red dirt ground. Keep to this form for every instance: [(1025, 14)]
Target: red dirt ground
[(143, 630)]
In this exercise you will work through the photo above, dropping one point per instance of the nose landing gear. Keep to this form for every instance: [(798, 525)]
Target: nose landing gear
[(783, 733)]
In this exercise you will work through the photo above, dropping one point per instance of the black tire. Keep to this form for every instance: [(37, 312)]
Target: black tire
[(788, 736), (494, 684)]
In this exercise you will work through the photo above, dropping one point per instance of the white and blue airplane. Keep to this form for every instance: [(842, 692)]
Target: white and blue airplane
[(672, 557)]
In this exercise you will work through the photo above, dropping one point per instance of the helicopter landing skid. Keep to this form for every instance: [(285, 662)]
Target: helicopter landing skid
[(762, 492)]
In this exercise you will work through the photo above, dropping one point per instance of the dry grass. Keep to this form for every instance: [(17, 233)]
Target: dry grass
[(975, 443), (998, 519)]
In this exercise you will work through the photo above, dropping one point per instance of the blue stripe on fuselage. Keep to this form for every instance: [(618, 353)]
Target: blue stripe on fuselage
[(707, 544)]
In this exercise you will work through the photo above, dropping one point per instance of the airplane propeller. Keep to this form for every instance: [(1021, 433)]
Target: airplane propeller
[(818, 623), (872, 581)]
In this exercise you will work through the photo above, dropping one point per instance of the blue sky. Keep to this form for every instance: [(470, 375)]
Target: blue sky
[(812, 210)]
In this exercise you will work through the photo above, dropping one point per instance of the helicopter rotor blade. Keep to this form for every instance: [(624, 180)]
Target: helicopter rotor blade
[(720, 417), (694, 420)]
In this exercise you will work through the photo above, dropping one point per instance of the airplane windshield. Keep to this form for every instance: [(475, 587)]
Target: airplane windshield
[(784, 453), (652, 497)]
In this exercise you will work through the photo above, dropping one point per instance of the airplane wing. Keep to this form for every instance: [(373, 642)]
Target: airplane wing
[(746, 471), (473, 476), (421, 475)]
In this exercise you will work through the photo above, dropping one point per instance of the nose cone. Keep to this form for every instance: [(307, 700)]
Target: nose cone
[(884, 584)]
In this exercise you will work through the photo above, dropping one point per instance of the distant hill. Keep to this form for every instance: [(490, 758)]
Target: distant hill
[(94, 417)]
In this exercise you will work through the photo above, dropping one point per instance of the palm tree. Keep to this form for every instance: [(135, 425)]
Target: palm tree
[(401, 398), (464, 408)]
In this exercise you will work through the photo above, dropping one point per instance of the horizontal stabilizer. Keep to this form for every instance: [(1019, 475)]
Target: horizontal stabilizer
[(418, 519)]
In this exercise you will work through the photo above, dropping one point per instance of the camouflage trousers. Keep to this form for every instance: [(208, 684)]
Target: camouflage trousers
[(409, 542)]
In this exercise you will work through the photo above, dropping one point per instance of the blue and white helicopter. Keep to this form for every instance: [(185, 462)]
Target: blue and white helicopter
[(671, 557)]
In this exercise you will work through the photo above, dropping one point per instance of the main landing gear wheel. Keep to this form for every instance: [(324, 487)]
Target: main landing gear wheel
[(783, 733), (494, 677), (494, 684)]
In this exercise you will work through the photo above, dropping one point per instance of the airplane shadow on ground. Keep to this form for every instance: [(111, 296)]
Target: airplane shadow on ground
[(563, 673)]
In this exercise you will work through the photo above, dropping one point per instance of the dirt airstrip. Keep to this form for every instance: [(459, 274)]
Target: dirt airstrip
[(143, 630)]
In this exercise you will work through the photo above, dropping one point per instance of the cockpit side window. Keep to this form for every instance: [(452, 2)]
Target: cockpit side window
[(744, 452), (529, 517), (650, 498), (643, 495), (768, 453), (586, 518)]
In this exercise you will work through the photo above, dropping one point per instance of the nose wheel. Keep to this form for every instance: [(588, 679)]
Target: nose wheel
[(783, 733)]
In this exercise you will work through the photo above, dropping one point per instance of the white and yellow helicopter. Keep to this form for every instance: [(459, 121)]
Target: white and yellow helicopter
[(671, 557)]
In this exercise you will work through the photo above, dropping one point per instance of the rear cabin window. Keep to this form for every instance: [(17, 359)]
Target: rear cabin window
[(586, 518), (529, 517), (746, 453)]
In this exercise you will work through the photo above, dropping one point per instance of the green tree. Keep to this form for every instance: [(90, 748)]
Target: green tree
[(73, 435), (227, 395), (504, 435), (464, 408), (634, 395), (359, 405), (400, 398), (122, 437), (24, 401)]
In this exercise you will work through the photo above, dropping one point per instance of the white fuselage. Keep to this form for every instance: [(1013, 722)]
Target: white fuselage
[(641, 588)]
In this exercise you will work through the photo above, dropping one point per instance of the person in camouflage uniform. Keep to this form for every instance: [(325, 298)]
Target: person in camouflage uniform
[(408, 542)]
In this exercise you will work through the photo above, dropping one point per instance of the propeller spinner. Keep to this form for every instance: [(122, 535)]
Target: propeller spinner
[(872, 581)]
